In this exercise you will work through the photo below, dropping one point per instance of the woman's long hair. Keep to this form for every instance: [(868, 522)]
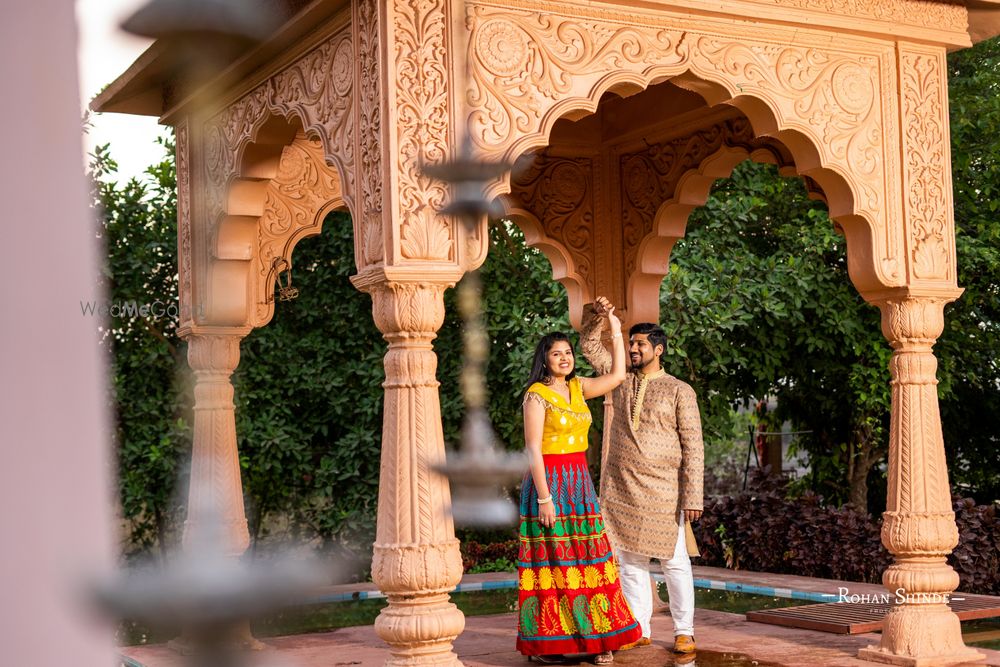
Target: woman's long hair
[(539, 367)]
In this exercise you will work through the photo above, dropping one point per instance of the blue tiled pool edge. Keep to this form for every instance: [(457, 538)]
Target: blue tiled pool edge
[(769, 591), (512, 583)]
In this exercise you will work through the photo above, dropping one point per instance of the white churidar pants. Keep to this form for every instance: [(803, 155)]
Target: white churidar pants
[(634, 576)]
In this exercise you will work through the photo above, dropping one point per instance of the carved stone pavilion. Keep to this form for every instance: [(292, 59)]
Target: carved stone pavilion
[(619, 115)]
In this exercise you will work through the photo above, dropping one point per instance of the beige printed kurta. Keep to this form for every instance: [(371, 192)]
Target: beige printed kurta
[(653, 470)]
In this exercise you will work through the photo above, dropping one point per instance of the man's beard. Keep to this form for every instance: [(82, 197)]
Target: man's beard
[(638, 365)]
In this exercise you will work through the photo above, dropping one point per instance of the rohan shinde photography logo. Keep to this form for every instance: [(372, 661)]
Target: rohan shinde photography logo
[(130, 309), (900, 596)]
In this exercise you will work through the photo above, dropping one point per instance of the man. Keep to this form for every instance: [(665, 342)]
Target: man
[(652, 475)]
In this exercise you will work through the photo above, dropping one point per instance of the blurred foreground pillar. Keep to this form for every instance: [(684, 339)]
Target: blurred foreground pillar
[(55, 491)]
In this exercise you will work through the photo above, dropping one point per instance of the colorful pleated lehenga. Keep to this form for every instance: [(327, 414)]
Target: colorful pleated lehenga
[(568, 592)]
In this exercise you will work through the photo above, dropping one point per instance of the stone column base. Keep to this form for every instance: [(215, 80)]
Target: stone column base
[(420, 630), (918, 635), (967, 657)]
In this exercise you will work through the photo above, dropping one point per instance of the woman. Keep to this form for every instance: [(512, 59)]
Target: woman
[(570, 599)]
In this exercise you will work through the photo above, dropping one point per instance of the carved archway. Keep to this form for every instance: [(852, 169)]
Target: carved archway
[(661, 226), (607, 211), (825, 106), (282, 191), (865, 118), (314, 95)]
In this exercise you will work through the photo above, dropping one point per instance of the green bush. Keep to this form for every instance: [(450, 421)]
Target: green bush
[(765, 530), (500, 556)]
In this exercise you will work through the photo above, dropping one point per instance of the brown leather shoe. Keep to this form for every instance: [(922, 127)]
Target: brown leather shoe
[(642, 641), (684, 644)]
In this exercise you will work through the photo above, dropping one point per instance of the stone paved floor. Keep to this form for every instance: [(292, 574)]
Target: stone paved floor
[(488, 641)]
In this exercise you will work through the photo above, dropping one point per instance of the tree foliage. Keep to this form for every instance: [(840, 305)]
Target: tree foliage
[(759, 303), (309, 384), (967, 350), (138, 226)]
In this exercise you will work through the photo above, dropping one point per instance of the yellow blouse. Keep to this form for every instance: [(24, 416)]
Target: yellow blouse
[(566, 424)]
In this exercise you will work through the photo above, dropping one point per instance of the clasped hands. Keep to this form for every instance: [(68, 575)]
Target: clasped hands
[(603, 308)]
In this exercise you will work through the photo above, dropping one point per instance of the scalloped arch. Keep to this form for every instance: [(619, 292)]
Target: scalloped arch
[(273, 128), (331, 155), (653, 251), (283, 186), (838, 191), (670, 224), (563, 267)]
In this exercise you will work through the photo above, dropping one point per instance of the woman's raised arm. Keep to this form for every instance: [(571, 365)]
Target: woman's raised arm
[(602, 384)]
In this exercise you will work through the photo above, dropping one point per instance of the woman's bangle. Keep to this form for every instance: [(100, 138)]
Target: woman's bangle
[(542, 501), (617, 335)]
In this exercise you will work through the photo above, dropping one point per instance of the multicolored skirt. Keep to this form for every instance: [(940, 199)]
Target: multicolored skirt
[(568, 590)]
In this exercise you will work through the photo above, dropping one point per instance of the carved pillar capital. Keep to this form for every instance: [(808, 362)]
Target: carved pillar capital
[(405, 309), (214, 354), (416, 559), (216, 492), (913, 322), (918, 527)]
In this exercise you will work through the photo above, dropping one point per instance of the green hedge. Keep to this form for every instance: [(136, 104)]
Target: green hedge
[(765, 530)]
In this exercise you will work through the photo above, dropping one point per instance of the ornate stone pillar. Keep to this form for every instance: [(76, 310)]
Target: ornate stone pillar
[(919, 525), (416, 558), (216, 491)]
